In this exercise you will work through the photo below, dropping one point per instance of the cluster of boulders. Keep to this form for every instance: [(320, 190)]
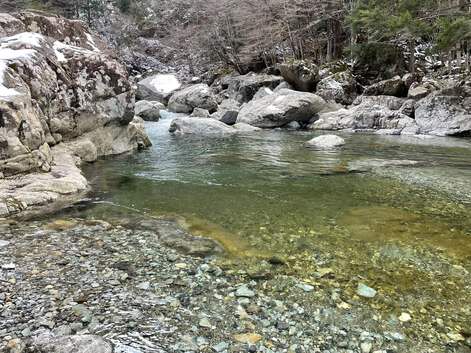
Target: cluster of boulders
[(63, 99), (304, 96)]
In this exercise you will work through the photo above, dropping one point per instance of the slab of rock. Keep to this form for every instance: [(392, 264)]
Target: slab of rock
[(392, 87), (157, 88), (281, 108), (303, 76), (148, 110), (72, 344), (195, 96), (199, 126), (326, 142), (445, 112)]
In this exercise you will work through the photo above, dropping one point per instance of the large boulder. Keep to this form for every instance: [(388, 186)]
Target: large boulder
[(392, 87), (243, 88), (366, 117), (419, 90), (148, 110), (157, 88), (195, 96), (340, 87), (446, 112), (281, 108), (303, 76)]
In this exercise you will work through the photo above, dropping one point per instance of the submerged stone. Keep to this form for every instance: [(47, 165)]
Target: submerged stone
[(364, 291)]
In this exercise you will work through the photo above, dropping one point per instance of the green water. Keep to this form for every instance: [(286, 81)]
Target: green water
[(406, 231)]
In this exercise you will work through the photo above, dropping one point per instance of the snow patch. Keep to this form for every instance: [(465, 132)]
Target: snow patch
[(25, 38), (57, 46), (165, 83)]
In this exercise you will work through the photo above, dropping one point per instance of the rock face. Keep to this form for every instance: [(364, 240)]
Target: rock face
[(445, 112), (243, 88), (281, 108), (58, 89), (196, 96), (227, 112), (301, 75), (340, 88), (326, 142), (148, 110), (157, 88)]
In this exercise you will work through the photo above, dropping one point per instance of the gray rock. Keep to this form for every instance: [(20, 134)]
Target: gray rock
[(244, 292), (262, 92), (72, 344), (283, 85), (221, 347), (446, 112), (281, 108), (419, 90), (364, 291), (243, 88), (326, 142), (200, 113), (157, 88), (303, 76), (341, 88), (148, 110), (392, 87), (390, 102), (195, 96), (366, 117), (4, 243), (199, 126), (227, 112), (242, 127)]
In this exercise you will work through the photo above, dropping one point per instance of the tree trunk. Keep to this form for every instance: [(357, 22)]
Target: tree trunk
[(412, 56)]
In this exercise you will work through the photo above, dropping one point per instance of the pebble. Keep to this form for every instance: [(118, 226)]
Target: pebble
[(248, 338), (143, 286), (245, 292), (366, 347), (4, 243), (405, 317), (305, 287), (220, 347), (204, 322), (364, 291)]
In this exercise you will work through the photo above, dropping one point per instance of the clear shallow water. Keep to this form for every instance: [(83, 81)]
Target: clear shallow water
[(405, 231)]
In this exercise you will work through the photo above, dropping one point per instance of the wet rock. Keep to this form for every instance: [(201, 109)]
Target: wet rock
[(157, 88), (326, 142), (227, 112), (195, 96), (305, 287), (242, 127), (281, 108), (371, 164), (201, 126), (364, 291), (148, 110)]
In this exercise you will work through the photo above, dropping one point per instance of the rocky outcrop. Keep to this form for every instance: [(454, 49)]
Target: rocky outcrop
[(340, 87), (58, 90), (148, 110), (281, 108), (157, 88), (303, 76), (446, 112), (325, 142), (243, 88), (195, 96)]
